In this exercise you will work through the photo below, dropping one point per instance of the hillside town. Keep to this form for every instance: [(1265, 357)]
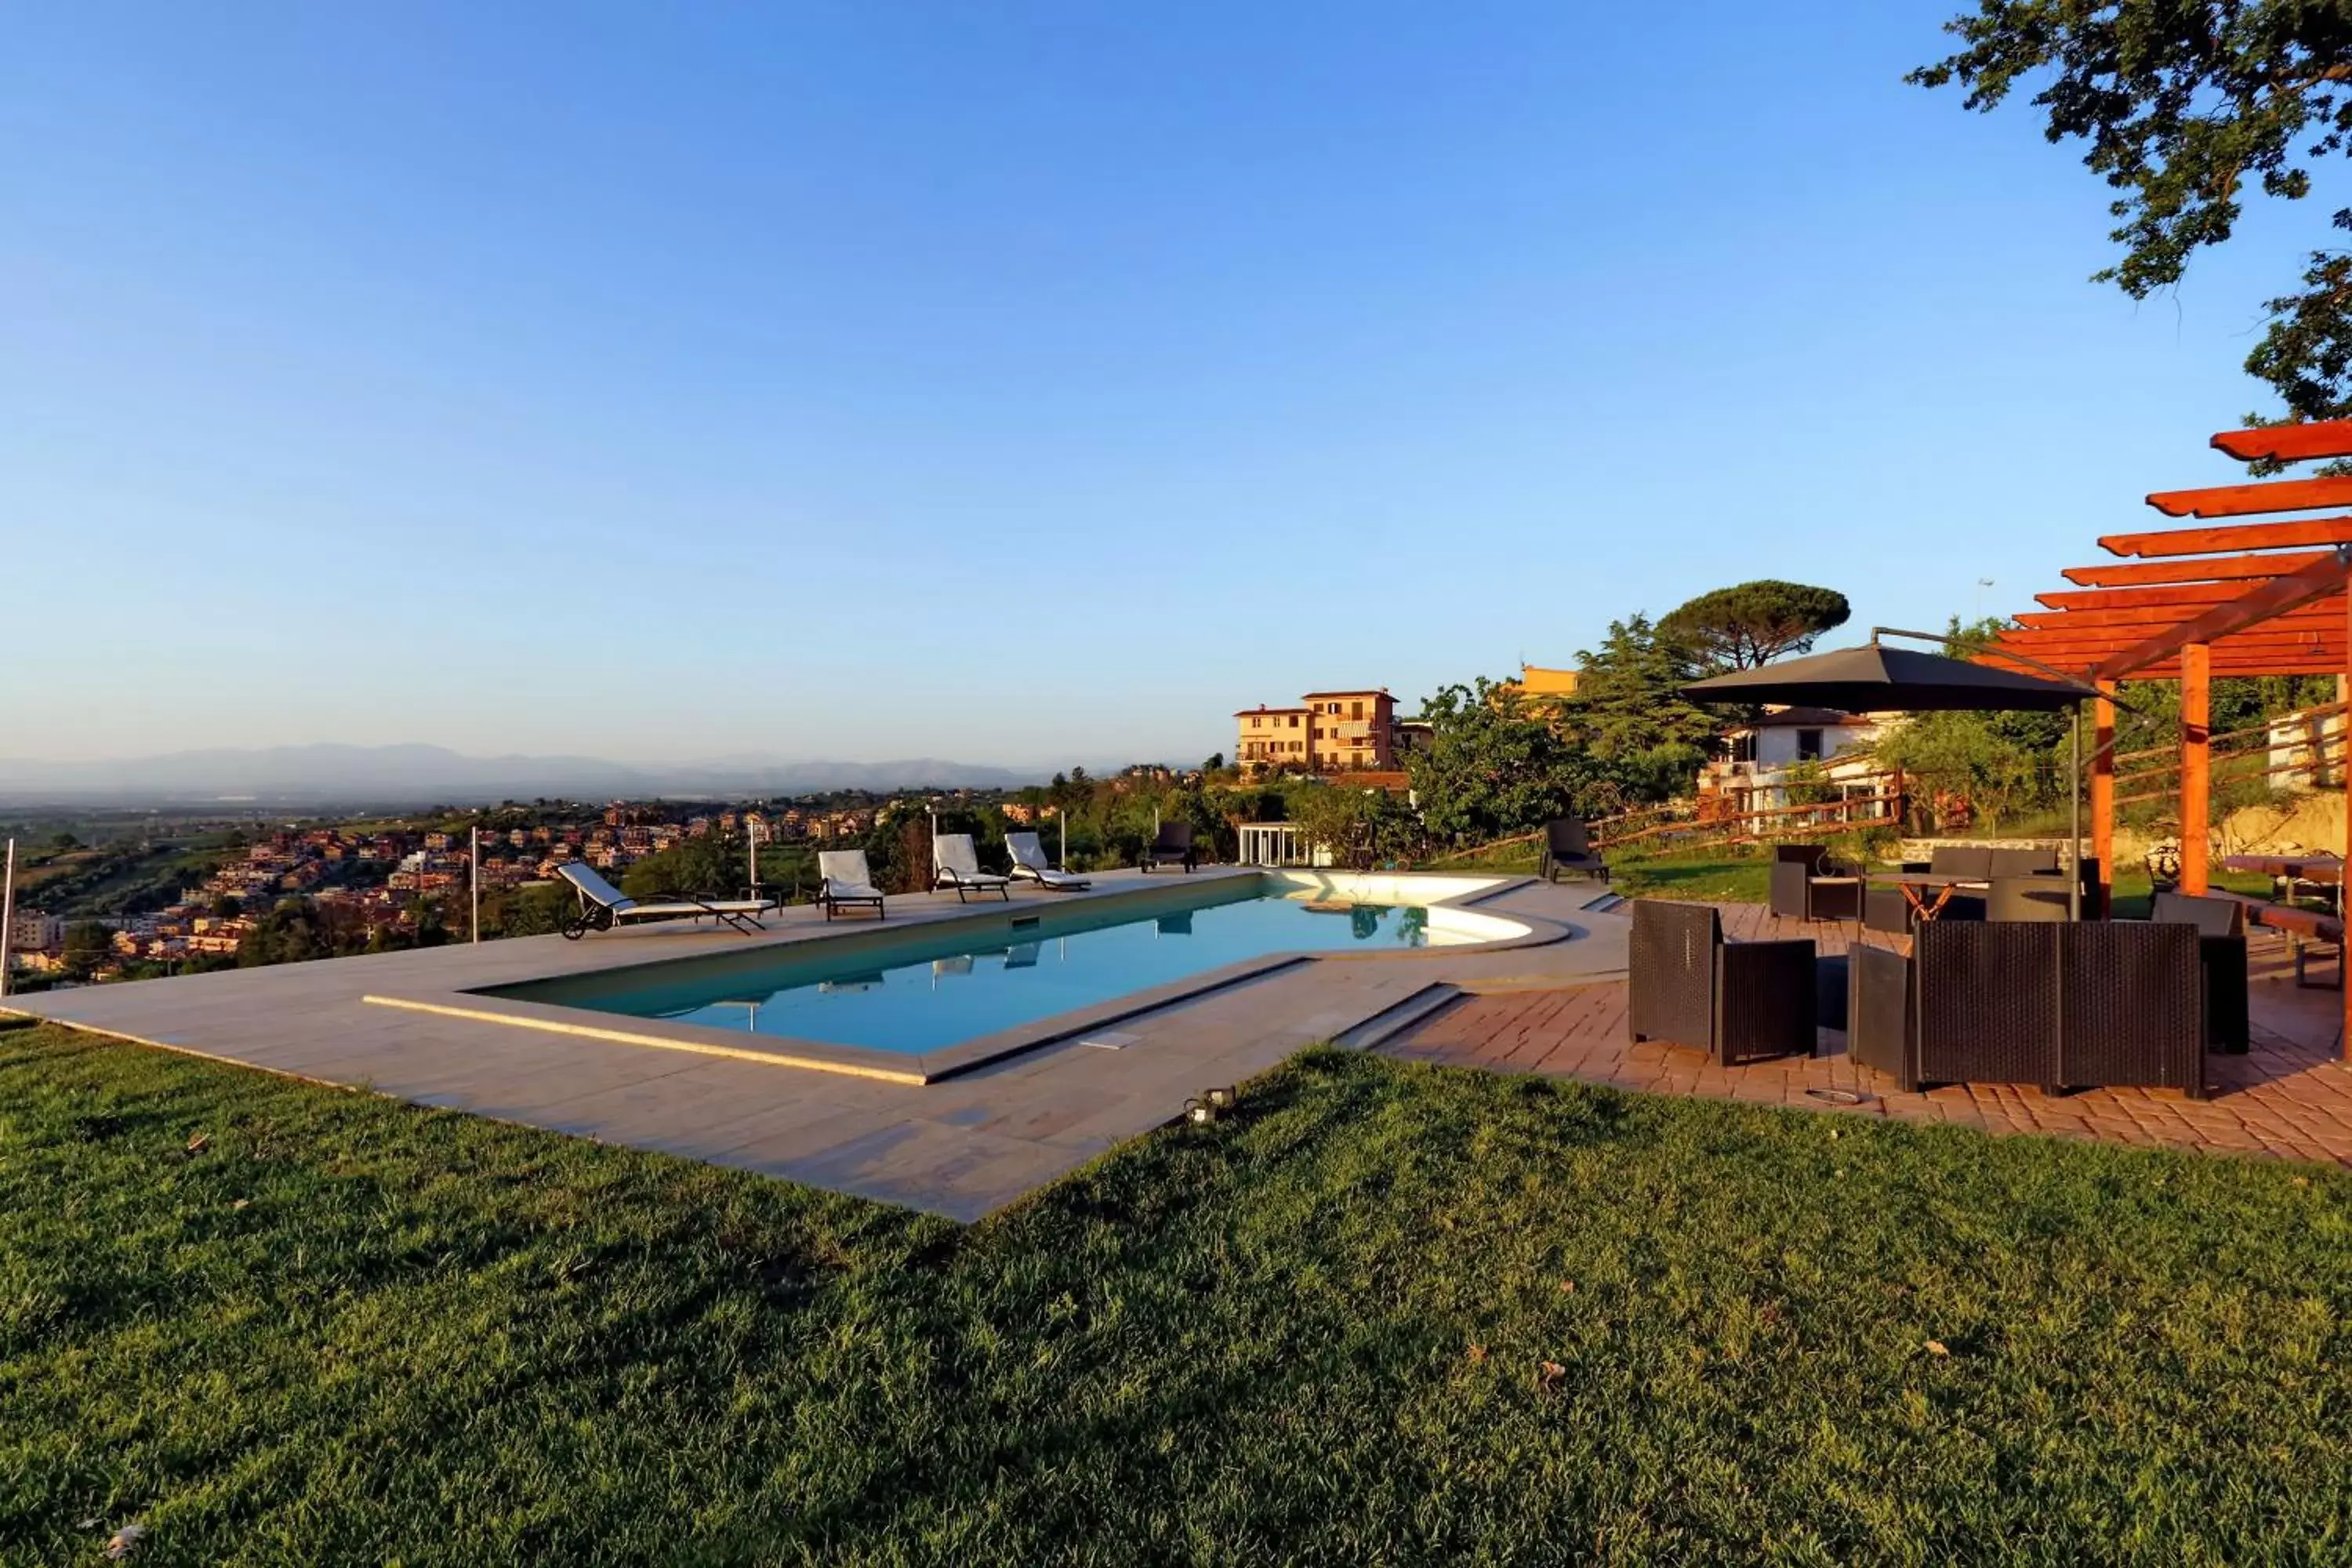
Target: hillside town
[(384, 879)]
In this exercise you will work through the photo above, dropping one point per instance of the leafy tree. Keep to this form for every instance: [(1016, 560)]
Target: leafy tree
[(1493, 765), (88, 946), (713, 864), (1754, 623), (2182, 102), (1644, 737), (1361, 827)]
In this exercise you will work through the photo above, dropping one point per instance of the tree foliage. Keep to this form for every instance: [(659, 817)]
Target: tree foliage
[(1750, 624), (2183, 103), (1645, 737), (1493, 765)]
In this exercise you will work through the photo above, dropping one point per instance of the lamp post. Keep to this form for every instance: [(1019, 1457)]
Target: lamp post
[(7, 913)]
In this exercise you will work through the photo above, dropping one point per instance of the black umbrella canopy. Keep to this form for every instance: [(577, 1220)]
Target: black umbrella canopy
[(1876, 680)]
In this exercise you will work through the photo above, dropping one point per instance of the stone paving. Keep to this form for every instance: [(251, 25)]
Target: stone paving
[(2289, 1095)]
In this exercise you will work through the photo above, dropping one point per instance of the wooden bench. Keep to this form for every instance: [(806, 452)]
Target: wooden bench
[(2298, 926)]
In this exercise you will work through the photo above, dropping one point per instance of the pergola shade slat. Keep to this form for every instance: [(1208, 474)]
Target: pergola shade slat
[(2175, 542), (2288, 443), (2254, 500), (2216, 569)]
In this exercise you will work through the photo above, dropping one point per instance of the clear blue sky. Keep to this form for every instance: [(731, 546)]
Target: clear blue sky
[(1020, 383)]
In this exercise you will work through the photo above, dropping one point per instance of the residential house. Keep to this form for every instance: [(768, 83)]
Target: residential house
[(1328, 731)]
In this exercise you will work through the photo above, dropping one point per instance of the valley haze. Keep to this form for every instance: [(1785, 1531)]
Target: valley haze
[(424, 774)]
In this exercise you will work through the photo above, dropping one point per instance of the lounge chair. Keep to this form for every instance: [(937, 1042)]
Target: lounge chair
[(603, 906), (844, 881), (1568, 849), (956, 864), (1030, 864), (1174, 844)]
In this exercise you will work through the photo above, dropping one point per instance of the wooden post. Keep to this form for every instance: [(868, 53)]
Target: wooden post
[(2196, 764), (2344, 775), (2102, 791)]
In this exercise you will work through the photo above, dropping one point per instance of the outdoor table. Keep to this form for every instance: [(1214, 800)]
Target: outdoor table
[(2290, 872), (1914, 886)]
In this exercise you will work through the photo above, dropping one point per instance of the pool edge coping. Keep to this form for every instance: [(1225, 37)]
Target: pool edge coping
[(916, 1070)]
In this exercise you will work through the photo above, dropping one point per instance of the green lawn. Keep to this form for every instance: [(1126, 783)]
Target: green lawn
[(1387, 1313), (1714, 877)]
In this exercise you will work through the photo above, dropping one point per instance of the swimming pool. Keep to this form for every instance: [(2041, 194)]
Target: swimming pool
[(923, 989)]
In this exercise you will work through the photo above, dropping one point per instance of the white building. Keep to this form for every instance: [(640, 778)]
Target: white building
[(1753, 768)]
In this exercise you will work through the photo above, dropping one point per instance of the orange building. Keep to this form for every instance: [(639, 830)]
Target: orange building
[(1329, 731)]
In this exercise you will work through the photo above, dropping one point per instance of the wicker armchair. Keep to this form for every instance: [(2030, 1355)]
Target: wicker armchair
[(1736, 1001), (1807, 885), (2222, 954), (2062, 1004)]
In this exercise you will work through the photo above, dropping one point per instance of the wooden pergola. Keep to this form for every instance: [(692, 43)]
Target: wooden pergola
[(2256, 594)]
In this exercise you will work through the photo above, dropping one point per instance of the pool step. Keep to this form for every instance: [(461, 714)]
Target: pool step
[(1387, 1024), (1606, 904)]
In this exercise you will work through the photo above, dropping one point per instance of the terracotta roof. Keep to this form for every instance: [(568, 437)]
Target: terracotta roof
[(1351, 691), (1261, 708)]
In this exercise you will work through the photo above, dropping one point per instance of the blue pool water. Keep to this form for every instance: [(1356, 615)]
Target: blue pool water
[(927, 989)]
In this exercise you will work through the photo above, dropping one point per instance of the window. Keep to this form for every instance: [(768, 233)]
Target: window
[(1809, 745), (1255, 722), (1355, 709)]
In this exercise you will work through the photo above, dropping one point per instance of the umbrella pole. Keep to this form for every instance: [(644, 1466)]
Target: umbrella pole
[(2075, 811)]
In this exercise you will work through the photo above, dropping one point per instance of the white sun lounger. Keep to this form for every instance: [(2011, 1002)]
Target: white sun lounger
[(845, 880), (956, 864), (1029, 863), (603, 906)]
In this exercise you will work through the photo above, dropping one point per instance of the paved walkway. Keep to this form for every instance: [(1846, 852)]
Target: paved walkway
[(2289, 1095), (962, 1147)]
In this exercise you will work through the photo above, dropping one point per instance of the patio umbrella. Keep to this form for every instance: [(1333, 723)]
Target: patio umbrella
[(1876, 680)]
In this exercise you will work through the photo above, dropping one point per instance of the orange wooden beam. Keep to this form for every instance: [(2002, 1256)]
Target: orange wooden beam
[(2103, 789), (2127, 629), (2190, 569), (2254, 500), (2155, 619), (2288, 443), (2122, 623), (2161, 596), (2259, 604), (2196, 765), (2172, 542)]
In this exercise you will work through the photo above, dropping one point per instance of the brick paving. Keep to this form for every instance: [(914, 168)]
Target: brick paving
[(2289, 1095)]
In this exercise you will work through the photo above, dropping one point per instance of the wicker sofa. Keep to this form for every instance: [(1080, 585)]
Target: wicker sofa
[(2061, 1004), (1737, 1001)]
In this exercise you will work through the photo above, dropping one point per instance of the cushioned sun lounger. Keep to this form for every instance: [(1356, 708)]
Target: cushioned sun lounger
[(603, 906), (1030, 864), (844, 882), (956, 864)]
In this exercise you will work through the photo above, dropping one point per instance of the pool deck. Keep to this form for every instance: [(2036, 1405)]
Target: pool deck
[(962, 1147), (2289, 1097)]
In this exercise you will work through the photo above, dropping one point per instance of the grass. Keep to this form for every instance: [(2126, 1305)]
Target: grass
[(1387, 1313), (1711, 878)]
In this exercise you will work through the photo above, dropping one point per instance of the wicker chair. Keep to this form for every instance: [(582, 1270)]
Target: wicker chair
[(2222, 954), (1736, 1001), (1807, 885), (2064, 1005)]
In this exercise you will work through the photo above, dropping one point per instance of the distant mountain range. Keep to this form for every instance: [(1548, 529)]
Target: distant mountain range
[(417, 774)]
